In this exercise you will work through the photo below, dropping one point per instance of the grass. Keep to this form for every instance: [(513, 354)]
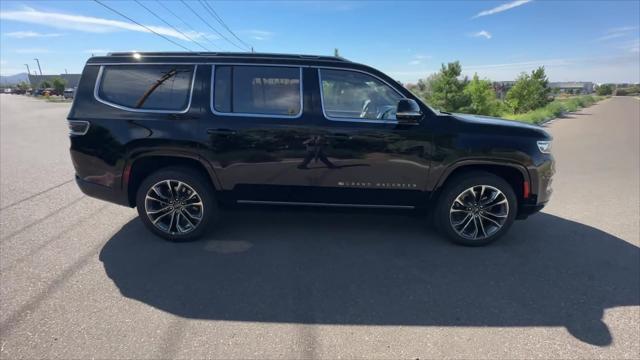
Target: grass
[(54, 99), (555, 109)]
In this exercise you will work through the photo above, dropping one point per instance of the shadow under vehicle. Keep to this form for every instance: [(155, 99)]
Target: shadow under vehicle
[(376, 268)]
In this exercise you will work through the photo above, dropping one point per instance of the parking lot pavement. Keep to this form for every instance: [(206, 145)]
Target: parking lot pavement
[(81, 278)]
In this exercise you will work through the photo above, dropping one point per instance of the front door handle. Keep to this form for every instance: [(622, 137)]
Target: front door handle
[(221, 131)]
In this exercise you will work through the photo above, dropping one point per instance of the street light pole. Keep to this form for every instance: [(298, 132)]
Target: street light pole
[(28, 71), (39, 68)]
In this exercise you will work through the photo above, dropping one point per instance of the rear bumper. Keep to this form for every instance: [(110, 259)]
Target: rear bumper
[(526, 210), (102, 192)]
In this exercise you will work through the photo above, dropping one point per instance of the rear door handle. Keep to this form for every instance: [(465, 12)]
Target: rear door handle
[(221, 131)]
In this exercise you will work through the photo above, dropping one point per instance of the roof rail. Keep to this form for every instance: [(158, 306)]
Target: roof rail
[(230, 54)]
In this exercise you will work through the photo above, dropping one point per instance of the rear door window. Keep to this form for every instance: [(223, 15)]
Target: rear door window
[(257, 90), (147, 87)]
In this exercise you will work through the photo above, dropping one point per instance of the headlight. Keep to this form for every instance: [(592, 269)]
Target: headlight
[(544, 146)]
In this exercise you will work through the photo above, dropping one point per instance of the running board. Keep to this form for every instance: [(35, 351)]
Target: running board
[(295, 203)]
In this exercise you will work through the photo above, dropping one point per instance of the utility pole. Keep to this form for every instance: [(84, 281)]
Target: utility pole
[(39, 68), (28, 71)]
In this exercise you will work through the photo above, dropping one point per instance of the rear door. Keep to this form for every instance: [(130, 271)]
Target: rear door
[(255, 129)]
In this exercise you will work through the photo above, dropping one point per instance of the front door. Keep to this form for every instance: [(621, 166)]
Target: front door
[(362, 155)]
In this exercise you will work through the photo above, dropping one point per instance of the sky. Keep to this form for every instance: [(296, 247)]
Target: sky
[(575, 40)]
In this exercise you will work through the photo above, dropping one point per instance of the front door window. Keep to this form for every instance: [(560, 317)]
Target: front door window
[(351, 95)]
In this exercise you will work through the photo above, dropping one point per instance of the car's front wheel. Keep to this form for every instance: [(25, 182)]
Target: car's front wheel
[(476, 208), (176, 203)]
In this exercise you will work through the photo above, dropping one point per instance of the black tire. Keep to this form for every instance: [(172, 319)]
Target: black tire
[(455, 187), (208, 212)]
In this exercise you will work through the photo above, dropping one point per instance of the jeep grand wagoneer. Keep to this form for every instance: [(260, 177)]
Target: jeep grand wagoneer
[(178, 134)]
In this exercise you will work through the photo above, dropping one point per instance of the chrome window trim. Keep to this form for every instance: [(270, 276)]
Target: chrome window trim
[(358, 120), (96, 90), (212, 93), (204, 63)]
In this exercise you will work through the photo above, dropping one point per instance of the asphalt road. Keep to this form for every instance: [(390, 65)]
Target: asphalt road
[(80, 278)]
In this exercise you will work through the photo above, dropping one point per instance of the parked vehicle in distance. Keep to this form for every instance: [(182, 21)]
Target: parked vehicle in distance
[(179, 134), (7, 91), (69, 93)]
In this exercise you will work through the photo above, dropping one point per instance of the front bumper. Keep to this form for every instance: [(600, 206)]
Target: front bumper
[(541, 177)]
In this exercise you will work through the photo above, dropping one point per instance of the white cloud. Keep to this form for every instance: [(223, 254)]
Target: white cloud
[(96, 51), (618, 32), (483, 33), (501, 8), (29, 34), (82, 23), (258, 34), (522, 64), (622, 29), (631, 46), (419, 59), (32, 51)]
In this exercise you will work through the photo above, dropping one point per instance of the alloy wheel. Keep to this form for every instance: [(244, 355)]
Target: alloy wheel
[(174, 207), (479, 212)]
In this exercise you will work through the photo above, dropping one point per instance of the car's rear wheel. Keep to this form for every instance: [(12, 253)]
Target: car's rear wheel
[(476, 208), (177, 204)]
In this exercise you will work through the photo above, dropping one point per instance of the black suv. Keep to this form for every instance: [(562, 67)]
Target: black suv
[(178, 134)]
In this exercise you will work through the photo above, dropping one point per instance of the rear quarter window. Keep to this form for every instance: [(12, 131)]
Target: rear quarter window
[(147, 87)]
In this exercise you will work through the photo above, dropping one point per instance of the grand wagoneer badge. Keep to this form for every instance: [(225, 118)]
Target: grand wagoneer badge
[(376, 184)]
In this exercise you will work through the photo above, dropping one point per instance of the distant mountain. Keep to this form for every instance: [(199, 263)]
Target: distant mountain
[(13, 79)]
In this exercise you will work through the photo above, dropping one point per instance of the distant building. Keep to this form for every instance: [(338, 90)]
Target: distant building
[(502, 87), (72, 79), (579, 87)]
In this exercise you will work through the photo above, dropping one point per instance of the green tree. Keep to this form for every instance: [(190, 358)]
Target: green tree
[(45, 84), (22, 85), (447, 89), (529, 92), (424, 87), (59, 84), (482, 97), (604, 89), (542, 87)]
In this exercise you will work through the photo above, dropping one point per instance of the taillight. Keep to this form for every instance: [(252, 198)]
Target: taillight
[(78, 127)]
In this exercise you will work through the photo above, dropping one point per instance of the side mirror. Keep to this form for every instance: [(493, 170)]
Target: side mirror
[(408, 112)]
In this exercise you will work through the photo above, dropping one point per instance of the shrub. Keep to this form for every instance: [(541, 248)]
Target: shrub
[(482, 97), (555, 109), (529, 92), (604, 89), (447, 89)]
